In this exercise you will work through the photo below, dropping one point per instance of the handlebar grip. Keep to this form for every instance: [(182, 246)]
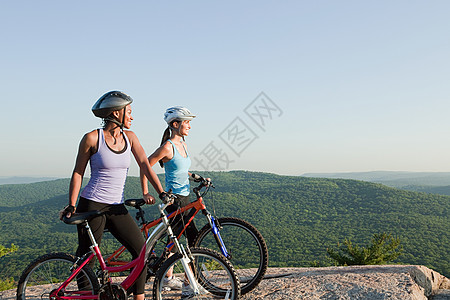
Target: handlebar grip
[(167, 197), (197, 178), (135, 202)]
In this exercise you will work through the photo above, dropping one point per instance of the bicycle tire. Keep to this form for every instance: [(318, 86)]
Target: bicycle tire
[(215, 275), (48, 271), (250, 262)]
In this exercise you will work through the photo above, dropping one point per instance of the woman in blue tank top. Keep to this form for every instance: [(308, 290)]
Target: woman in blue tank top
[(173, 156), (108, 150)]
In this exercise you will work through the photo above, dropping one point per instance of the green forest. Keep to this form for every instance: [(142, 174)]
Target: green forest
[(300, 217)]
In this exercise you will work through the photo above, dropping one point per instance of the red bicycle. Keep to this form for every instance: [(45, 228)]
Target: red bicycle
[(60, 276), (236, 239)]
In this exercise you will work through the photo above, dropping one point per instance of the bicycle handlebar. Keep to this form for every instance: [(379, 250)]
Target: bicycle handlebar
[(203, 183), (138, 202), (169, 196)]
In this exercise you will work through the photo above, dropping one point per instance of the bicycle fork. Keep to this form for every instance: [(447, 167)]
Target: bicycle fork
[(215, 227)]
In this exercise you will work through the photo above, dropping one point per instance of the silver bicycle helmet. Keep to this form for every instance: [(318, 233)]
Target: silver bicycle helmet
[(109, 102), (177, 113)]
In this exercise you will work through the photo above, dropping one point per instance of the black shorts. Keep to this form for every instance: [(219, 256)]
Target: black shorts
[(178, 223)]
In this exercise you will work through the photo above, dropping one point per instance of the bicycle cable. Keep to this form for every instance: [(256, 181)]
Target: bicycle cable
[(213, 204), (212, 197)]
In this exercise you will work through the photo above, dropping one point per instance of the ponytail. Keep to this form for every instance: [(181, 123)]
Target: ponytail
[(166, 136)]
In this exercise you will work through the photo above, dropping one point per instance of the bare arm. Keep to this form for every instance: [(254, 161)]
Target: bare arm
[(87, 143), (162, 153)]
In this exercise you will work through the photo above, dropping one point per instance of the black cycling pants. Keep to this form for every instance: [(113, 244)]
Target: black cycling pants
[(121, 225), (179, 221)]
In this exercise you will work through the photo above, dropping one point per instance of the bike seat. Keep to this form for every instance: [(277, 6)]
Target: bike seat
[(79, 218), (136, 203)]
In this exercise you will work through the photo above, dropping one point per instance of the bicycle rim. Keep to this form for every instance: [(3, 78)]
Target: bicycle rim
[(46, 274), (215, 276), (247, 247)]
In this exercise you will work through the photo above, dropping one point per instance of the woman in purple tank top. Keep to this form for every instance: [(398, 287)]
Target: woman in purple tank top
[(108, 150)]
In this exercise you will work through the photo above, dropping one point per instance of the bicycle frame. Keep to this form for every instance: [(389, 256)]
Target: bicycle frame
[(137, 264), (198, 206)]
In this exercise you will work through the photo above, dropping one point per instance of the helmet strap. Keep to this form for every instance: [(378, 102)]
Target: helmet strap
[(177, 129), (123, 118), (115, 122), (121, 125)]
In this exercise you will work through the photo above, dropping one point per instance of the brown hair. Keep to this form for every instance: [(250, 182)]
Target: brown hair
[(165, 137)]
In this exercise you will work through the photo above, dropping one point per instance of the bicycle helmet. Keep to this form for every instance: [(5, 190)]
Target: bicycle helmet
[(109, 102), (177, 113)]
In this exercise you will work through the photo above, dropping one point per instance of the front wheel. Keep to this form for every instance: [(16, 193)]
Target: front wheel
[(48, 272), (216, 277), (245, 245)]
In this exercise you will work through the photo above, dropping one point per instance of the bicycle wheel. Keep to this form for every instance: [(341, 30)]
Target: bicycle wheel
[(215, 276), (246, 246), (47, 272)]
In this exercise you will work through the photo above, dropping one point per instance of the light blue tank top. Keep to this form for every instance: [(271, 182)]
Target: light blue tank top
[(176, 171), (109, 171)]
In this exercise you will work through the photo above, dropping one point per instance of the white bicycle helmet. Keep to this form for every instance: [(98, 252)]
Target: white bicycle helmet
[(109, 102), (177, 113)]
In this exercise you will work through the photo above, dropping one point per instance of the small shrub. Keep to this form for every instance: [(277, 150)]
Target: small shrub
[(8, 283), (4, 250), (383, 248)]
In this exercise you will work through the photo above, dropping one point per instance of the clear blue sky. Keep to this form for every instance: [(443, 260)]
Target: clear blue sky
[(348, 85)]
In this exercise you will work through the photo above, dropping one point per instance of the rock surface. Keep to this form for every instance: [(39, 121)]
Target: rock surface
[(356, 282)]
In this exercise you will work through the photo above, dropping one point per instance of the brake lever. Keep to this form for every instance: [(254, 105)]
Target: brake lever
[(168, 197)]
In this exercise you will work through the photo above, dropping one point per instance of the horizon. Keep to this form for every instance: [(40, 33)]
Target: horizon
[(251, 171), (415, 181)]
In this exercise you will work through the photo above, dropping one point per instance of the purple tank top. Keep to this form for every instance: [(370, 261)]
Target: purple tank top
[(109, 171)]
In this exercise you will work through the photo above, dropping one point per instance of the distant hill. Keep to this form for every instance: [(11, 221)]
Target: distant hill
[(22, 180), (392, 178), (426, 182), (441, 190), (298, 216)]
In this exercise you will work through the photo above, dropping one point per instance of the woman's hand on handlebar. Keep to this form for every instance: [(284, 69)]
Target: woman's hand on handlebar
[(207, 182), (148, 198), (67, 211), (167, 197)]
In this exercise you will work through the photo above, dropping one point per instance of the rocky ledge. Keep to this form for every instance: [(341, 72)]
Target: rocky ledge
[(356, 282)]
